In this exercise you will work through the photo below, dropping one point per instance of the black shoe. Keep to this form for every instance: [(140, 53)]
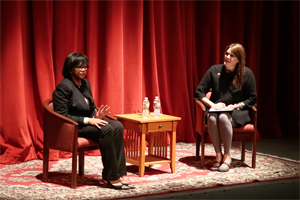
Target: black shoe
[(118, 187), (129, 185)]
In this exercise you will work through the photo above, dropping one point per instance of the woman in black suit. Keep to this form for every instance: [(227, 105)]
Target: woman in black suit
[(233, 94), (73, 99)]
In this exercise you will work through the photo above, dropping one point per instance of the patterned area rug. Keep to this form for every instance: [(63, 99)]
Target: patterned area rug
[(23, 181)]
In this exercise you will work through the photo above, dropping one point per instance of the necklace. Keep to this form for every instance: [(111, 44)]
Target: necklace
[(77, 84)]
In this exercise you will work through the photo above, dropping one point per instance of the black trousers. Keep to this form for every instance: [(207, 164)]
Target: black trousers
[(111, 143)]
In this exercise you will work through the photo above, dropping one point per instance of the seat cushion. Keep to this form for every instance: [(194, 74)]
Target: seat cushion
[(83, 142), (244, 129)]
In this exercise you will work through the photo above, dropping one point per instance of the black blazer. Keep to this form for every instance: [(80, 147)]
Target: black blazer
[(217, 79), (68, 100)]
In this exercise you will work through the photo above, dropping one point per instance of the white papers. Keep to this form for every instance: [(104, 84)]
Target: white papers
[(219, 110)]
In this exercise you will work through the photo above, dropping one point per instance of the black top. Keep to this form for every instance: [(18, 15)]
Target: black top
[(217, 79), (68, 100)]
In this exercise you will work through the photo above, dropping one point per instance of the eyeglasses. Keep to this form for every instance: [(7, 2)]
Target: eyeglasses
[(80, 67)]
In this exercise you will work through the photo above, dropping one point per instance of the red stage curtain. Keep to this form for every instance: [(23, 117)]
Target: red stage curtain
[(138, 49)]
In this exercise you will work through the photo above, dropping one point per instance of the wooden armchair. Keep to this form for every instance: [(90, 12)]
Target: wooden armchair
[(61, 133), (248, 130)]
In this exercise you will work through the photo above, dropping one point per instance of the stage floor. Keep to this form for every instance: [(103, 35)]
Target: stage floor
[(286, 147), (276, 176)]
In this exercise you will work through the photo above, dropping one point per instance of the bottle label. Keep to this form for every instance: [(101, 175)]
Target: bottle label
[(146, 105)]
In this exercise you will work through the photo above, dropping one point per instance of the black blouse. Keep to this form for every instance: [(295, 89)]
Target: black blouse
[(69, 100)]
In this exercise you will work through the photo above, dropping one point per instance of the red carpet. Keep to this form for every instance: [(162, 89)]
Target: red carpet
[(22, 181)]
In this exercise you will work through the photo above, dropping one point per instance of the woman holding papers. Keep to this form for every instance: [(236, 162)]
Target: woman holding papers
[(233, 93)]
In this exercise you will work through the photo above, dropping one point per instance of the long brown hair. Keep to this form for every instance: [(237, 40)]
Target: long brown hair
[(239, 51)]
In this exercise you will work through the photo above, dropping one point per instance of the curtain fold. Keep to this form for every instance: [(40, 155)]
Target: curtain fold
[(142, 48)]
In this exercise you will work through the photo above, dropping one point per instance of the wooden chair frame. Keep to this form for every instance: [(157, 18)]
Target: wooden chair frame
[(248, 130)]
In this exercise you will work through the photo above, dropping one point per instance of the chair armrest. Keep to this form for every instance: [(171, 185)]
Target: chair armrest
[(254, 115), (57, 115), (199, 103), (200, 116)]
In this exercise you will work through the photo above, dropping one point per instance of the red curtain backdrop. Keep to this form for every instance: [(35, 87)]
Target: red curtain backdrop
[(138, 49)]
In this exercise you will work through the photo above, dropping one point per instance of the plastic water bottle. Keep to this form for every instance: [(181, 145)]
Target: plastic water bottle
[(146, 105), (156, 106)]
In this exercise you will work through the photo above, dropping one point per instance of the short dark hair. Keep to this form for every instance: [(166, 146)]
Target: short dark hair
[(72, 60)]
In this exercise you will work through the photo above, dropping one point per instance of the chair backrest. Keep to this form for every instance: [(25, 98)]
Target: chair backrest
[(60, 132)]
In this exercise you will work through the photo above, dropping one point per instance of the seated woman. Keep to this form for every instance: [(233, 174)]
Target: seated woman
[(233, 93), (73, 99)]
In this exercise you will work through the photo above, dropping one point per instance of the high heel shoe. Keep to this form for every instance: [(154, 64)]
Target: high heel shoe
[(118, 187), (129, 185)]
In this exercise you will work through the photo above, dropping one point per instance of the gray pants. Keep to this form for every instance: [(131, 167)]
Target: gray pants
[(220, 130)]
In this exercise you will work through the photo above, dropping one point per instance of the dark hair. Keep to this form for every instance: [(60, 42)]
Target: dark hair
[(239, 51), (72, 60)]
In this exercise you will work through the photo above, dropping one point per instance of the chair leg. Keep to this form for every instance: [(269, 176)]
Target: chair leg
[(81, 163), (253, 152), (45, 164), (74, 171), (243, 148), (198, 140), (202, 149)]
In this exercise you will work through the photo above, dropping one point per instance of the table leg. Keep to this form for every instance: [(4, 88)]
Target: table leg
[(150, 145), (142, 151), (173, 147)]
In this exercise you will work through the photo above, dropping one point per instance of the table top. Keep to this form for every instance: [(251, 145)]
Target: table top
[(138, 118)]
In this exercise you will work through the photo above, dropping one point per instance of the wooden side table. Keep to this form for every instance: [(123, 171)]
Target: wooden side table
[(135, 142)]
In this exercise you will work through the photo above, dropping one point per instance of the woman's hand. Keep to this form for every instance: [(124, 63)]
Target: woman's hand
[(97, 122), (219, 106), (101, 113), (230, 107), (233, 107)]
